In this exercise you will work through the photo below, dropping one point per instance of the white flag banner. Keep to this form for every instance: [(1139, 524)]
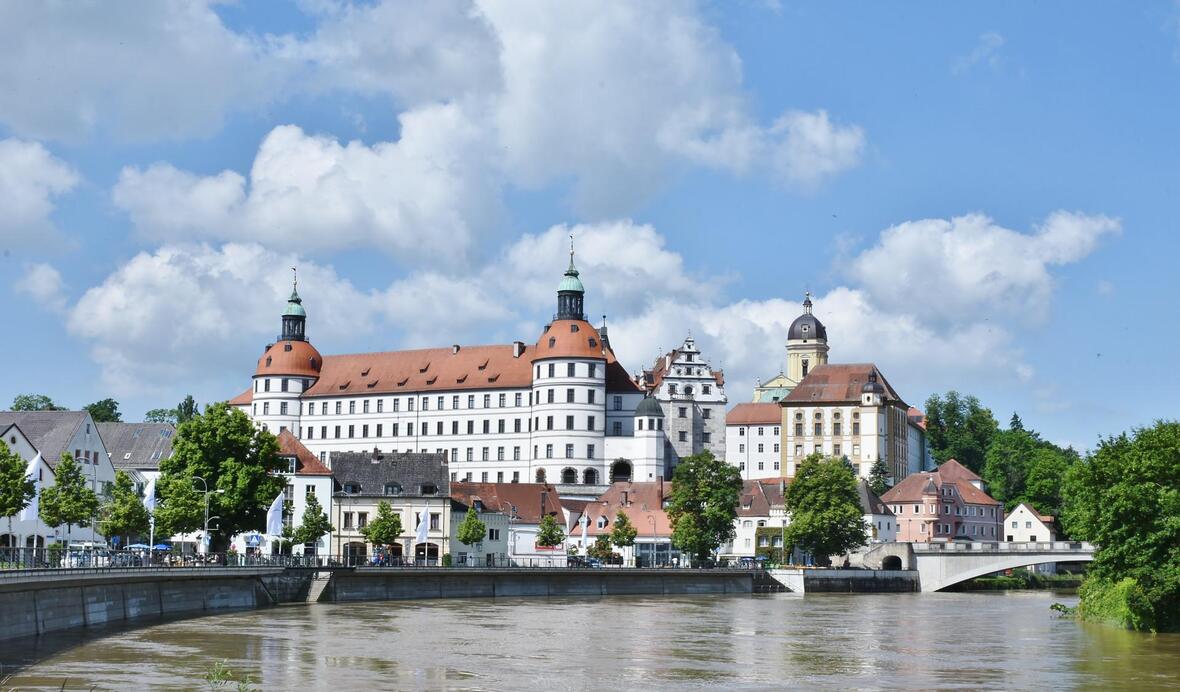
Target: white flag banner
[(585, 525), (423, 525), (33, 473), (149, 496), (274, 517)]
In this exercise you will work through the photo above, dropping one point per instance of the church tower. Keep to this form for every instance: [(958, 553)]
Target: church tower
[(807, 344), (294, 316)]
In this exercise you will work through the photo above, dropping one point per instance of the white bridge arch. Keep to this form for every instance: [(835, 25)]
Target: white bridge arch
[(940, 565)]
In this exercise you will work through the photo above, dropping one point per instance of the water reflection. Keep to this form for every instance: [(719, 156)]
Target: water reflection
[(928, 641)]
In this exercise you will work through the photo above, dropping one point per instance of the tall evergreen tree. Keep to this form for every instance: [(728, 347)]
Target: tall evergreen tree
[(68, 501), (186, 410), (879, 477)]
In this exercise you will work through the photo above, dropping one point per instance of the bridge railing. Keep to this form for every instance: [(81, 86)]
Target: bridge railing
[(1003, 547)]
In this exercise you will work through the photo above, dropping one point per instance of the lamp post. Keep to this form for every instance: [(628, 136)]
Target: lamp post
[(205, 531), (651, 518)]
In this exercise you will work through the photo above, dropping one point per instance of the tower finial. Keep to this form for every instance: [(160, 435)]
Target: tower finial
[(807, 302), (294, 279)]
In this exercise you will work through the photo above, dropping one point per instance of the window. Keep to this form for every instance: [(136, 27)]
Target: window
[(499, 454), (265, 408), (742, 448), (352, 431), (569, 451), (518, 399), (682, 412), (484, 454), (348, 520), (799, 430), (470, 427), (266, 383), (516, 476), (590, 451), (569, 422), (470, 454), (760, 464), (569, 370), (549, 451), (836, 428), (706, 414), (393, 489), (487, 400), (798, 450), (548, 422), (836, 449), (351, 407), (362, 519), (855, 427), (617, 403), (516, 453), (706, 389), (819, 429), (706, 437), (776, 448), (516, 425), (364, 431), (616, 428), (470, 401), (551, 369), (283, 408), (741, 432), (487, 426), (682, 436), (493, 534), (593, 370), (380, 405)]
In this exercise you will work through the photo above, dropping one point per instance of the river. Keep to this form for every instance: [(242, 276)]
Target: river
[(928, 641)]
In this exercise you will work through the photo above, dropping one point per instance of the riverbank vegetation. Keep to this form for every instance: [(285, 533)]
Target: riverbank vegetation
[(1020, 580)]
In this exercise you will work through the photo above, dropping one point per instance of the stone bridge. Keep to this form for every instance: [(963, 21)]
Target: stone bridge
[(940, 565)]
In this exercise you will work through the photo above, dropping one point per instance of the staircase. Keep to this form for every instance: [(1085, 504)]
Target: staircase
[(765, 583), (319, 584)]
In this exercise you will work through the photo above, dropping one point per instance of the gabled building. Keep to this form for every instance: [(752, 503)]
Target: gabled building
[(692, 395), (1024, 524), (753, 437), (949, 503), (306, 477), (644, 505), (523, 505), (138, 448), (52, 434), (848, 411), (880, 521), (760, 506)]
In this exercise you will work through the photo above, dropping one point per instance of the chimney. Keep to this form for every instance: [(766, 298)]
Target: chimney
[(625, 502), (517, 349), (454, 348)]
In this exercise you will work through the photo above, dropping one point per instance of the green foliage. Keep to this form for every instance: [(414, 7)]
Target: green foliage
[(1019, 466), (773, 550), (314, 524), (623, 533), (104, 411), (549, 533), (826, 516), (69, 500), (224, 447), (447, 560), (220, 677), (1125, 498), (472, 530), (385, 528), (959, 427), (187, 410), (703, 504), (124, 513), (16, 489), (601, 549), (160, 415), (879, 477), (34, 402)]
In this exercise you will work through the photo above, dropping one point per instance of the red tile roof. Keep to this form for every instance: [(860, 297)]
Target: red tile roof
[(242, 399), (914, 487), (758, 496), (952, 470), (296, 358), (641, 502), (754, 414), (532, 500), (838, 384), (306, 463)]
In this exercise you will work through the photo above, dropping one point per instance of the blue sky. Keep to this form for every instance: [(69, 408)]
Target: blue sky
[(979, 196)]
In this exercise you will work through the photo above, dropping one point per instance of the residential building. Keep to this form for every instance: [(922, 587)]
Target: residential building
[(849, 411), (493, 549), (753, 437), (807, 349), (138, 448), (760, 506), (880, 521), (560, 409), (950, 503), (306, 478), (52, 434), (692, 395), (1024, 524), (644, 505), (919, 457), (415, 485), (523, 505)]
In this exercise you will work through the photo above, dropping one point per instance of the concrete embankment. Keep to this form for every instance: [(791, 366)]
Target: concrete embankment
[(847, 580)]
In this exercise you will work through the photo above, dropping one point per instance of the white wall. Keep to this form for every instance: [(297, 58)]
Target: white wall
[(754, 449)]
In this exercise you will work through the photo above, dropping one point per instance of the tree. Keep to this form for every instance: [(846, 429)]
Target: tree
[(958, 427), (186, 410), (879, 477), (386, 528), (314, 525), (703, 503), (1125, 498), (623, 533), (68, 501), (601, 549), (34, 402), (826, 516), (225, 448), (16, 488), (1014, 423), (124, 514), (104, 411), (472, 530), (160, 415), (549, 533), (1007, 462)]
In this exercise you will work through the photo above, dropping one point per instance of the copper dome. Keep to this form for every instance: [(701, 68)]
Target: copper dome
[(294, 358), (569, 339)]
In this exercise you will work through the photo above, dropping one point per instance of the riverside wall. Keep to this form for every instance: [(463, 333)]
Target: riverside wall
[(847, 580)]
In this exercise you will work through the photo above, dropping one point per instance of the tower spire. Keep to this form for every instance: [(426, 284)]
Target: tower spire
[(294, 317), (570, 293)]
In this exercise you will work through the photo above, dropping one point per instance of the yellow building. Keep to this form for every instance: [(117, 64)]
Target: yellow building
[(807, 349)]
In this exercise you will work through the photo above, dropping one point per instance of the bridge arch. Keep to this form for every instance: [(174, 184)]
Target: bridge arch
[(939, 569)]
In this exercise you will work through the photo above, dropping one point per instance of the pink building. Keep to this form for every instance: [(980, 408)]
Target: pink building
[(946, 504)]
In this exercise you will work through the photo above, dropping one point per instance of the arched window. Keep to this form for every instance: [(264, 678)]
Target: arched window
[(688, 390), (569, 476), (620, 471), (540, 475), (590, 477)]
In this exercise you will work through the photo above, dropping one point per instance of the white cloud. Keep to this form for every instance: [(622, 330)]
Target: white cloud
[(985, 52), (419, 197), (810, 150), (43, 284), (138, 70), (30, 179), (968, 267)]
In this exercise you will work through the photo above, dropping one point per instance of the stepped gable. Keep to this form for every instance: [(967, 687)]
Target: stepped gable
[(838, 384)]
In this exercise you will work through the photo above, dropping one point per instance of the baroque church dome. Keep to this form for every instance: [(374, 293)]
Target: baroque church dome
[(806, 326)]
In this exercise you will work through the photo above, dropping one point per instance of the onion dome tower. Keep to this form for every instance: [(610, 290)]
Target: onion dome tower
[(807, 344), (287, 368), (570, 293)]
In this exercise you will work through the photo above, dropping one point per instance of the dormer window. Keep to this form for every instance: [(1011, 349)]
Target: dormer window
[(552, 341), (351, 488), (393, 489), (601, 523), (428, 489), (574, 328)]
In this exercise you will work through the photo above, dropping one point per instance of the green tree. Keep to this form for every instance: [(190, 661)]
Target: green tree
[(104, 411), (314, 525), (959, 427), (386, 528), (34, 402), (1008, 460), (471, 530), (226, 449), (186, 410), (1125, 498), (16, 488), (549, 533), (123, 514), (601, 549), (703, 503), (623, 533), (879, 477), (68, 501), (826, 516), (160, 415), (1014, 423)]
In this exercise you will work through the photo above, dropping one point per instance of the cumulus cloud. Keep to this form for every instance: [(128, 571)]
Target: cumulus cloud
[(808, 149), (42, 282), (969, 267), (419, 197), (30, 179)]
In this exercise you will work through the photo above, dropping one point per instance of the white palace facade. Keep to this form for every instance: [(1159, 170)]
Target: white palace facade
[(561, 410)]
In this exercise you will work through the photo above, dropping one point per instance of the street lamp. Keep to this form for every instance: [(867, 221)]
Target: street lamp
[(651, 518), (205, 531)]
